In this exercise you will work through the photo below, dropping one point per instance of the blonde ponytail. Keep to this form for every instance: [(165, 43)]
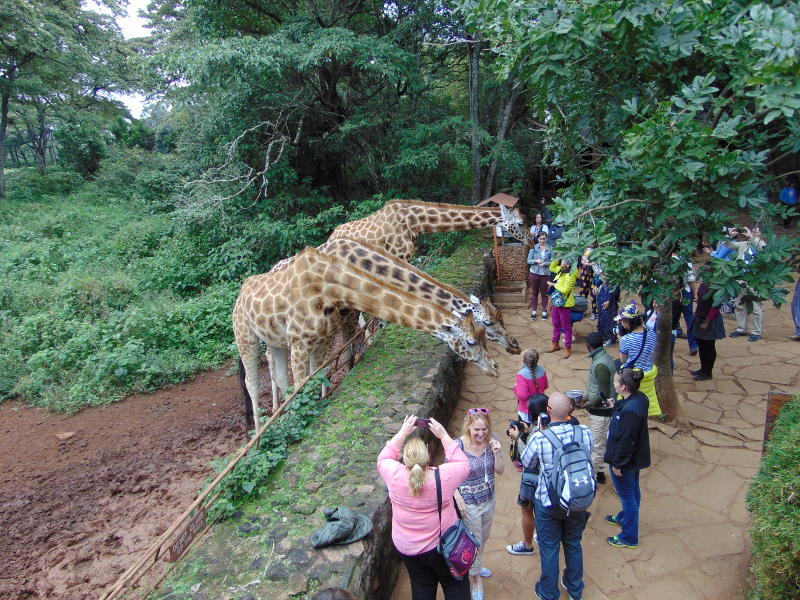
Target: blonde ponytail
[(416, 459)]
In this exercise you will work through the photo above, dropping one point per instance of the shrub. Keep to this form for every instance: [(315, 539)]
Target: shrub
[(774, 502), (29, 185)]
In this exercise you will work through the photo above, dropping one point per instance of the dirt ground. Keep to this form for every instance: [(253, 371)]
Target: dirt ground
[(75, 513)]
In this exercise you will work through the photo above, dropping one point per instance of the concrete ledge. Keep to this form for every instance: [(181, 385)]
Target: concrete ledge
[(264, 552)]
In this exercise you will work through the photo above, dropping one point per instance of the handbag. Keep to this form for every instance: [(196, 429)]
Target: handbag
[(557, 298), (457, 545), (527, 487)]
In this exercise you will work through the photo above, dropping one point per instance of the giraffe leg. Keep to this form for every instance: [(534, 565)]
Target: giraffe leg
[(248, 374), (317, 358), (278, 359), (351, 319)]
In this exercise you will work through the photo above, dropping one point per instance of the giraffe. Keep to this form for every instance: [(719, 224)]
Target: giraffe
[(296, 310), (396, 226), (393, 270)]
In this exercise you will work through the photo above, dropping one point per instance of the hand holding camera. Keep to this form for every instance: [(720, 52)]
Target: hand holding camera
[(516, 428)]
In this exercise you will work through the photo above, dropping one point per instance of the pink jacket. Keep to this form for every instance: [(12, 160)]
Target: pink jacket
[(415, 520), (526, 386)]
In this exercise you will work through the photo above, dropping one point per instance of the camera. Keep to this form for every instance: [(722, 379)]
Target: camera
[(620, 330), (544, 419), (518, 425)]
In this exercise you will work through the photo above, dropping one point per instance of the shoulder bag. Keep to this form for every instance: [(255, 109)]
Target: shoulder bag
[(457, 545)]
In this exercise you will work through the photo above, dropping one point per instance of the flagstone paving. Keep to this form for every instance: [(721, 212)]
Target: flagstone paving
[(694, 543)]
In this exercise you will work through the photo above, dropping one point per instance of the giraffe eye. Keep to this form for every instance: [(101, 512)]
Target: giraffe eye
[(488, 323), (471, 341)]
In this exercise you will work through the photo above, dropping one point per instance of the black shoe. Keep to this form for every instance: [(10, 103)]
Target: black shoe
[(698, 372), (601, 477), (692, 351), (702, 377)]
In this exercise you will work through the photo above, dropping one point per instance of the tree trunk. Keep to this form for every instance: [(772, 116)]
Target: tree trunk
[(665, 388), (474, 52), (3, 127), (41, 144), (503, 128)]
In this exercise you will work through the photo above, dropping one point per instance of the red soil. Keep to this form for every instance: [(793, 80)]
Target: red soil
[(76, 513)]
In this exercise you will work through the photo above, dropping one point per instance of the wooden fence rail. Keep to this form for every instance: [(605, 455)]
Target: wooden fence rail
[(205, 500)]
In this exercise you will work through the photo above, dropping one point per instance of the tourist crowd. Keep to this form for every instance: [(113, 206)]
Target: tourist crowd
[(619, 397)]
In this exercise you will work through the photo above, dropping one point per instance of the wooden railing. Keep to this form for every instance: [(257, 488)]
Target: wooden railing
[(188, 528)]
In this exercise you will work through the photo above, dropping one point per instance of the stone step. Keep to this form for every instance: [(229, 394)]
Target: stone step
[(508, 300)]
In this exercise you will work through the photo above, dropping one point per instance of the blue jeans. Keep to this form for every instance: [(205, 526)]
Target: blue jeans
[(555, 529), (688, 316), (630, 495)]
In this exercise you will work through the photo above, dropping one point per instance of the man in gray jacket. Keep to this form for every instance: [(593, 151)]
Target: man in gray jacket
[(601, 387)]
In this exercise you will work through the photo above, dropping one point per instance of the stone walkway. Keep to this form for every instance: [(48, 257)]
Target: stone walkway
[(693, 527)]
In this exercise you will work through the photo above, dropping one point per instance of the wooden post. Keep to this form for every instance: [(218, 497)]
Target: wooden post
[(775, 402), (496, 254)]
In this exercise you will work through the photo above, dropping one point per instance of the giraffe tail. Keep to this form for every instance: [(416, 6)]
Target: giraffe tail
[(248, 403)]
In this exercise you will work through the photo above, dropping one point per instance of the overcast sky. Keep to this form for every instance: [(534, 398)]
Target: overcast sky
[(132, 27)]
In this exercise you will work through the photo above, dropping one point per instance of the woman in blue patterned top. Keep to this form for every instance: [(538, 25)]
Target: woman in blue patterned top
[(636, 348), (485, 459)]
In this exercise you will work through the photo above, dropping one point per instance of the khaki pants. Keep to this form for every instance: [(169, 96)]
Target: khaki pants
[(478, 519), (741, 316), (599, 428)]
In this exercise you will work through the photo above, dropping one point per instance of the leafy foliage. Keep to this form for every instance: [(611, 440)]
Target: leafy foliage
[(657, 114), (774, 502), (252, 473)]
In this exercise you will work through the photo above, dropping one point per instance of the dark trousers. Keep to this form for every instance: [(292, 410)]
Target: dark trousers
[(708, 355), (426, 571), (539, 287)]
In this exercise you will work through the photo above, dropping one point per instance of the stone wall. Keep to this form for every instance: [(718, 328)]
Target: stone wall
[(264, 552)]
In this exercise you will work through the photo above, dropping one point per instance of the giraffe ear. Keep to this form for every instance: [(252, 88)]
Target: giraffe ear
[(474, 299)]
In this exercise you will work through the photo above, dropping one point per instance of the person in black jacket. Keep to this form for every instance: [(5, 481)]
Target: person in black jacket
[(628, 452)]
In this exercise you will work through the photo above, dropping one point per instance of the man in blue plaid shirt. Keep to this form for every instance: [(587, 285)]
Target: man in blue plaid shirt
[(554, 527)]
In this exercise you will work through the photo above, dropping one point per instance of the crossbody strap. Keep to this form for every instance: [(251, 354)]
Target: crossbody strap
[(641, 349), (438, 499)]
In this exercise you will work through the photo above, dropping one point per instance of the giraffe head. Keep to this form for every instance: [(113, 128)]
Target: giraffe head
[(488, 315), (468, 339), (514, 224)]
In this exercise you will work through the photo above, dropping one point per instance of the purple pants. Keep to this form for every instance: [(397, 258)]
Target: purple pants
[(561, 321), (539, 287)]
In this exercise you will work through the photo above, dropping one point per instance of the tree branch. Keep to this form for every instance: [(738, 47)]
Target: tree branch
[(596, 208)]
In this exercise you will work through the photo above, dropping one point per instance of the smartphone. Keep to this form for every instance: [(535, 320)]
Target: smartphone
[(426, 423)]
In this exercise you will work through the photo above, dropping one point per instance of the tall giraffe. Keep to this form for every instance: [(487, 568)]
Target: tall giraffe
[(396, 226), (296, 309), (389, 268)]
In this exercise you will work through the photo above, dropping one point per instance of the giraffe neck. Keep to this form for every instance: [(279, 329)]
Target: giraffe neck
[(342, 285), (389, 268), (427, 217)]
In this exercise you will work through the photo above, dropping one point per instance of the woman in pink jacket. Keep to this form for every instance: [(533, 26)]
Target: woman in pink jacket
[(415, 518), (531, 379)]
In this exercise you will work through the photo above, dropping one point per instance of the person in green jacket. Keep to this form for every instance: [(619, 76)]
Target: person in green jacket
[(601, 388), (561, 292)]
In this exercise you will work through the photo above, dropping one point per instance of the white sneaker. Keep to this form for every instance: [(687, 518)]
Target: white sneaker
[(594, 317), (533, 315), (544, 315)]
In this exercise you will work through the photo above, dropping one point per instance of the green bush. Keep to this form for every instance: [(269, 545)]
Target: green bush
[(29, 185), (774, 502)]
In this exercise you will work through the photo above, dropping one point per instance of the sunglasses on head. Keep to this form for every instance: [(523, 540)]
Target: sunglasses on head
[(478, 411)]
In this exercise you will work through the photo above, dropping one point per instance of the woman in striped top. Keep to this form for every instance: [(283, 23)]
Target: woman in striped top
[(636, 348), (485, 459)]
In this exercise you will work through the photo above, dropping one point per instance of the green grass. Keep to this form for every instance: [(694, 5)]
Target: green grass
[(774, 502)]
